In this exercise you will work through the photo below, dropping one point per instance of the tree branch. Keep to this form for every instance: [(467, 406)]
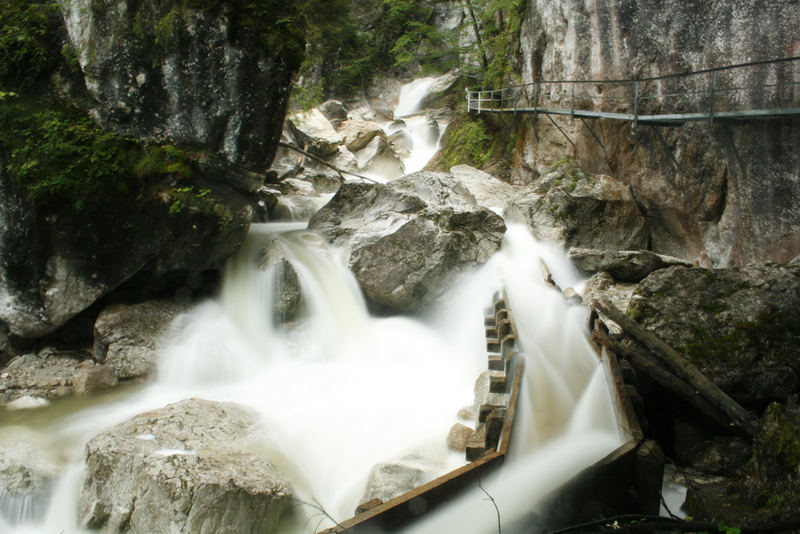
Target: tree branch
[(296, 148)]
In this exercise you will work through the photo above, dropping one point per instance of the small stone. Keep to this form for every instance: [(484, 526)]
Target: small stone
[(458, 436), (94, 378), (572, 296), (27, 402)]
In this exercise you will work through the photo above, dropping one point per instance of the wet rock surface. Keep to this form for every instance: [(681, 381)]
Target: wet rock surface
[(127, 337), (184, 465), (703, 187), (202, 89), (622, 265), (574, 209), (408, 240), (741, 327), (32, 378)]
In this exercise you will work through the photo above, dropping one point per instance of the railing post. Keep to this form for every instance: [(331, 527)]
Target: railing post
[(572, 106), (711, 104), (469, 99), (480, 97), (635, 104)]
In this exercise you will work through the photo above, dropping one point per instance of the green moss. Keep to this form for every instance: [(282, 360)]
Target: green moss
[(27, 38), (771, 331), (190, 198), (470, 143), (60, 157)]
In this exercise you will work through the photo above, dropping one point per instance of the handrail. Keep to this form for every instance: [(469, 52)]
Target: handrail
[(707, 94), (656, 78)]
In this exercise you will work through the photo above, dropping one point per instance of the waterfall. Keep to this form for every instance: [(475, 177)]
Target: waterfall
[(422, 134), (339, 390)]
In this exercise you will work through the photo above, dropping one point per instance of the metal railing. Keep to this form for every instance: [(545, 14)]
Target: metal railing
[(759, 89)]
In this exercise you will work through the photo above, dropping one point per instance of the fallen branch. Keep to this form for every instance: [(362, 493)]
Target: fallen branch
[(645, 363), (494, 503), (318, 159), (739, 417)]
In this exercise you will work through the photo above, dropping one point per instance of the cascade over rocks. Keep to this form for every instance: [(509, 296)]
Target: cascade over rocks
[(579, 210), (733, 199), (185, 466), (212, 84), (126, 337), (740, 327), (406, 241)]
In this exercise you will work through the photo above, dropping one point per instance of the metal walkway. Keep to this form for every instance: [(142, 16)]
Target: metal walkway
[(747, 91)]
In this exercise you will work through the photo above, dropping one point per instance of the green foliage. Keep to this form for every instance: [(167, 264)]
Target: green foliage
[(192, 199), (470, 143), (499, 23), (729, 530), (59, 156), (26, 41)]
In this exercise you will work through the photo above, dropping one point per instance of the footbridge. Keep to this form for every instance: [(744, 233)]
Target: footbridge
[(747, 91)]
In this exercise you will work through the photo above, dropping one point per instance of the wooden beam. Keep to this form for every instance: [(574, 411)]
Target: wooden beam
[(739, 417)]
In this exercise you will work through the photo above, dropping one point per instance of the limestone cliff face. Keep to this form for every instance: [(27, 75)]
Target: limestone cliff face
[(724, 194), (186, 76)]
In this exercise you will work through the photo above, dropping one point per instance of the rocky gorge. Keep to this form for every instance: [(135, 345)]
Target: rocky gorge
[(97, 296)]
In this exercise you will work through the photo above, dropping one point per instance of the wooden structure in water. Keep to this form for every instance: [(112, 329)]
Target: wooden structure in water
[(486, 447), (626, 480)]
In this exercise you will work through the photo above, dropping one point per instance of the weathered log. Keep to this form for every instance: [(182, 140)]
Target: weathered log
[(739, 417), (645, 363)]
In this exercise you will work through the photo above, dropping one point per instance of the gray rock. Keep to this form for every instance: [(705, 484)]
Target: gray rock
[(26, 466), (185, 466), (623, 265), (92, 378), (580, 210), (127, 337), (315, 132), (408, 240), (488, 191), (333, 110), (55, 263), (358, 133), (380, 159), (603, 286), (35, 377), (715, 208), (458, 436), (741, 327), (388, 480), (27, 472), (200, 88)]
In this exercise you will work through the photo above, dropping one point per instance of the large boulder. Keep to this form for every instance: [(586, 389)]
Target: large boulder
[(741, 327), (183, 468), (315, 132), (127, 337), (623, 265), (489, 192), (55, 261), (379, 158), (199, 77), (584, 210), (406, 241)]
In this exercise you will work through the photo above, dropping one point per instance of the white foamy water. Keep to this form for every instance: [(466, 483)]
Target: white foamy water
[(340, 390)]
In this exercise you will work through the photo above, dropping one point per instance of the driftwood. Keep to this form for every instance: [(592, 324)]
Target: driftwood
[(318, 159), (651, 367), (738, 417)]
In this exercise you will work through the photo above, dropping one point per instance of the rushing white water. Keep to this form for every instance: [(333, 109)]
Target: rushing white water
[(340, 390), (422, 134)]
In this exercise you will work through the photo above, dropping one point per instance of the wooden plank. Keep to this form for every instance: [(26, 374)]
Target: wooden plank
[(739, 417)]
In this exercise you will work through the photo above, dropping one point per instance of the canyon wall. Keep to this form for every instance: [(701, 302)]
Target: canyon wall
[(722, 194)]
